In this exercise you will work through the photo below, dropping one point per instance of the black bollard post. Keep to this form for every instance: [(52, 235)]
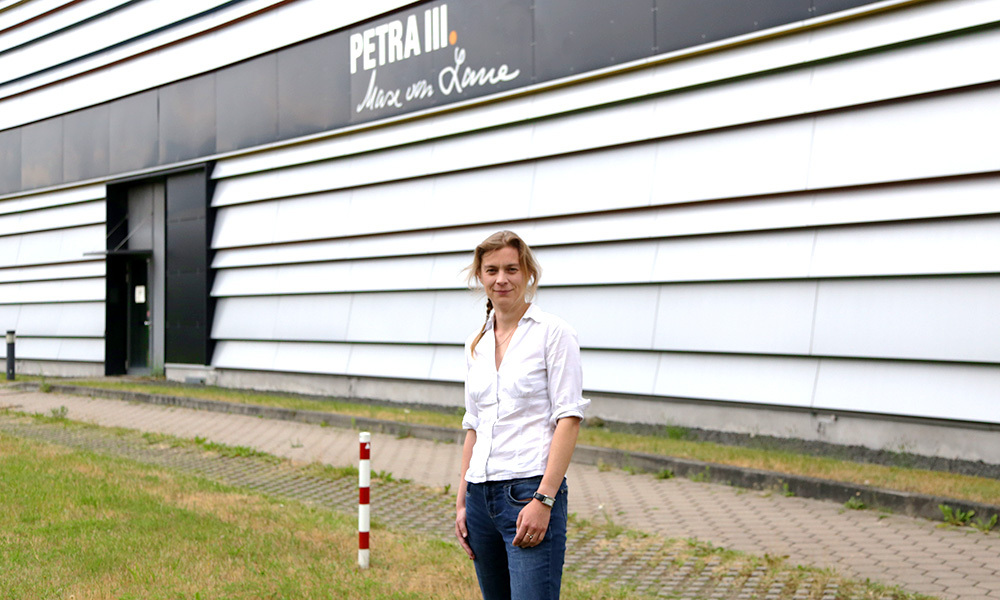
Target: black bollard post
[(10, 355)]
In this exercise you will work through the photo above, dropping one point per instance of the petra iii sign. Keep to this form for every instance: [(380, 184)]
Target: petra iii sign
[(434, 55)]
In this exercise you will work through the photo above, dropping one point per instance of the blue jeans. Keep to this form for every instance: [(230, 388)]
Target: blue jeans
[(505, 571)]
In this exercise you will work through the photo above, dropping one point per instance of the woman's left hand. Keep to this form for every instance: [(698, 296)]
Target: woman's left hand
[(532, 523)]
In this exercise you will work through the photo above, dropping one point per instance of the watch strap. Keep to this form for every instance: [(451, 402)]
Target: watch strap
[(546, 500)]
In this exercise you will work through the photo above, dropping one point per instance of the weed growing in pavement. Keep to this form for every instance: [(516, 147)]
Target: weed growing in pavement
[(388, 477), (577, 521), (611, 529), (330, 472), (785, 490), (59, 413), (602, 466), (985, 525), (702, 477), (159, 438), (674, 432), (665, 474), (45, 387), (232, 451), (956, 516), (855, 503)]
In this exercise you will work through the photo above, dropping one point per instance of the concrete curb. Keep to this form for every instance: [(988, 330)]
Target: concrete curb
[(910, 504)]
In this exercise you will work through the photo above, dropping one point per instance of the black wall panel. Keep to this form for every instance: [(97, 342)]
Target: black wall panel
[(85, 139), (187, 119), (10, 160), (42, 153), (187, 241), (580, 36), (188, 276), (313, 94), (823, 7), (685, 23), (134, 132), (247, 104)]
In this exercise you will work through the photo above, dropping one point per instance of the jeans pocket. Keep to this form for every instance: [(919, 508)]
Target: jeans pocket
[(520, 493)]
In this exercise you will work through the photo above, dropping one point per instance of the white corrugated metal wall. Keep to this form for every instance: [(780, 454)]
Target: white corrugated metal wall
[(806, 221), (51, 294), (810, 220)]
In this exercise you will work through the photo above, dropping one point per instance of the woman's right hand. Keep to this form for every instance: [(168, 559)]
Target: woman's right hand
[(462, 533)]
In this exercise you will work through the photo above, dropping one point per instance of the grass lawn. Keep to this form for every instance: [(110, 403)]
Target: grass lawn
[(951, 485), (80, 525), (84, 526)]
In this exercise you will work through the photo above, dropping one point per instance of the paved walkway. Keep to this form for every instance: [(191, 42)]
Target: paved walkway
[(915, 554)]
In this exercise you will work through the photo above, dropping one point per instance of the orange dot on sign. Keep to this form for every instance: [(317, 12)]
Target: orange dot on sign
[(453, 37)]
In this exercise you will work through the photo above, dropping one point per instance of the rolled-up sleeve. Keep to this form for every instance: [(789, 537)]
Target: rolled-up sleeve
[(471, 418), (565, 373)]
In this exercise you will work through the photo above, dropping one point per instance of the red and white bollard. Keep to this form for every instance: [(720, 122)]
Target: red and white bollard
[(364, 485)]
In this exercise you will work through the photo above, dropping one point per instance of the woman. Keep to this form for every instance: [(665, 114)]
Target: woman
[(523, 411)]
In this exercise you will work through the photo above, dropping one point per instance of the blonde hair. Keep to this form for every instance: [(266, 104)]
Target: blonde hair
[(529, 264)]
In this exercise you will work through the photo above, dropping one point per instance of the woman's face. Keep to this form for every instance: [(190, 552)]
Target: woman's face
[(503, 278)]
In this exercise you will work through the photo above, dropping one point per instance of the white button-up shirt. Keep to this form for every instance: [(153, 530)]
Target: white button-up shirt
[(514, 409)]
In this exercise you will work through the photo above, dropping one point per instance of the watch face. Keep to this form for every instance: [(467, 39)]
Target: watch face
[(546, 500)]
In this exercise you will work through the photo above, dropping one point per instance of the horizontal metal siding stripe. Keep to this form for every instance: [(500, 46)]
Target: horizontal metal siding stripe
[(20, 13), (76, 290), (872, 145), (398, 362), (54, 320), (53, 272), (81, 350), (51, 199), (76, 215), (437, 318), (51, 247), (261, 234), (72, 13), (118, 27), (950, 392), (945, 247), (938, 319), (98, 55)]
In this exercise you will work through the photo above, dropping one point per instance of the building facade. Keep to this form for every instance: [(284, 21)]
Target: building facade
[(774, 217)]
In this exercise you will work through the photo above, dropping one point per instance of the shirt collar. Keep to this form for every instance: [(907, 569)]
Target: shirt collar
[(534, 313)]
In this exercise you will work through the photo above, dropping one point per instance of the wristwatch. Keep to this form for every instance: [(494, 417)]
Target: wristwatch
[(546, 500)]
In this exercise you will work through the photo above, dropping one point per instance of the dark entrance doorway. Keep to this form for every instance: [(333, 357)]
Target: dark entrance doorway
[(158, 311), (129, 317), (138, 316)]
